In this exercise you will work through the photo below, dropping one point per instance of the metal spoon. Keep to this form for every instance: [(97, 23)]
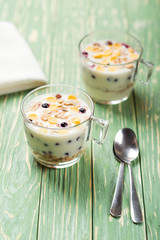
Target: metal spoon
[(116, 206), (126, 148)]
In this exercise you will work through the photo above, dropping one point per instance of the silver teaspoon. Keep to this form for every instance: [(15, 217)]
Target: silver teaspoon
[(126, 148), (116, 206)]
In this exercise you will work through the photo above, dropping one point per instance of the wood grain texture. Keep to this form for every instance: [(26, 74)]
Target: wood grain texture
[(74, 203)]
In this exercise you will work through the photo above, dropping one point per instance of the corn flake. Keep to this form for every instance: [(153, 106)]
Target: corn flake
[(113, 58), (32, 116), (74, 109), (117, 54), (76, 121), (53, 107), (52, 120), (117, 45), (72, 97), (98, 56), (107, 53), (51, 99)]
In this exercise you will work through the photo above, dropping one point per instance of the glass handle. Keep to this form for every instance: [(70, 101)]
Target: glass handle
[(99, 127), (149, 66)]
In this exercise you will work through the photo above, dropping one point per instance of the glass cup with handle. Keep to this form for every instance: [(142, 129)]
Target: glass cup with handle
[(56, 147)]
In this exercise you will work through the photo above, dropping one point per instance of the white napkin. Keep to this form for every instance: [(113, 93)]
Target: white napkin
[(19, 69)]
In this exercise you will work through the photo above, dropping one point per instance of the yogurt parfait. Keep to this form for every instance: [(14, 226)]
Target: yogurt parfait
[(57, 124), (109, 63)]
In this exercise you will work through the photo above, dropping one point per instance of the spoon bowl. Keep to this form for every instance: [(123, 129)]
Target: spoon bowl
[(126, 145)]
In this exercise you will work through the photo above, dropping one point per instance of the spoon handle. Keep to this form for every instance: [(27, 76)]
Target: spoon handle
[(136, 213), (116, 207)]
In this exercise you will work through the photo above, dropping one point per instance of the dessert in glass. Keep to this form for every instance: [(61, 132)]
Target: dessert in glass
[(109, 63), (57, 121)]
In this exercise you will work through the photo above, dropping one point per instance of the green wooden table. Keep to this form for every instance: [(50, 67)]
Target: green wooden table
[(74, 203)]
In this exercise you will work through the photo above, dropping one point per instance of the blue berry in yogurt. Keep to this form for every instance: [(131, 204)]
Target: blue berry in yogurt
[(45, 105), (64, 124)]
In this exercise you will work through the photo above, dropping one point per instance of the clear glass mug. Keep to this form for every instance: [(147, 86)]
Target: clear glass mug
[(111, 87), (50, 145)]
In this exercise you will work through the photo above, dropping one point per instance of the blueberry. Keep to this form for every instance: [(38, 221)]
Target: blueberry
[(45, 144), (57, 144), (43, 152), (129, 78), (82, 110), (67, 154), (93, 76), (32, 135), (116, 80), (45, 105), (69, 141), (64, 124), (77, 138)]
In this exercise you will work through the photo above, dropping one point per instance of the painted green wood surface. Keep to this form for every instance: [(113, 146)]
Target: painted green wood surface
[(39, 203)]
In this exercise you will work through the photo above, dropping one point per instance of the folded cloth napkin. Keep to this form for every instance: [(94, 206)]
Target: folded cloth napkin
[(19, 69)]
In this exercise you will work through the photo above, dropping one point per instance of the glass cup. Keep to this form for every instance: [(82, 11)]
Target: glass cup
[(50, 145), (113, 83)]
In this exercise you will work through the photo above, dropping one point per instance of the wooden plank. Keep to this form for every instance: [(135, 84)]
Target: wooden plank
[(20, 175), (146, 26), (113, 15)]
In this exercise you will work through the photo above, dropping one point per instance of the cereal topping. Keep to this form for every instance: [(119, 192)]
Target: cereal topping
[(57, 111), (51, 99), (58, 96), (71, 97), (109, 53), (76, 121), (32, 116), (52, 120)]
